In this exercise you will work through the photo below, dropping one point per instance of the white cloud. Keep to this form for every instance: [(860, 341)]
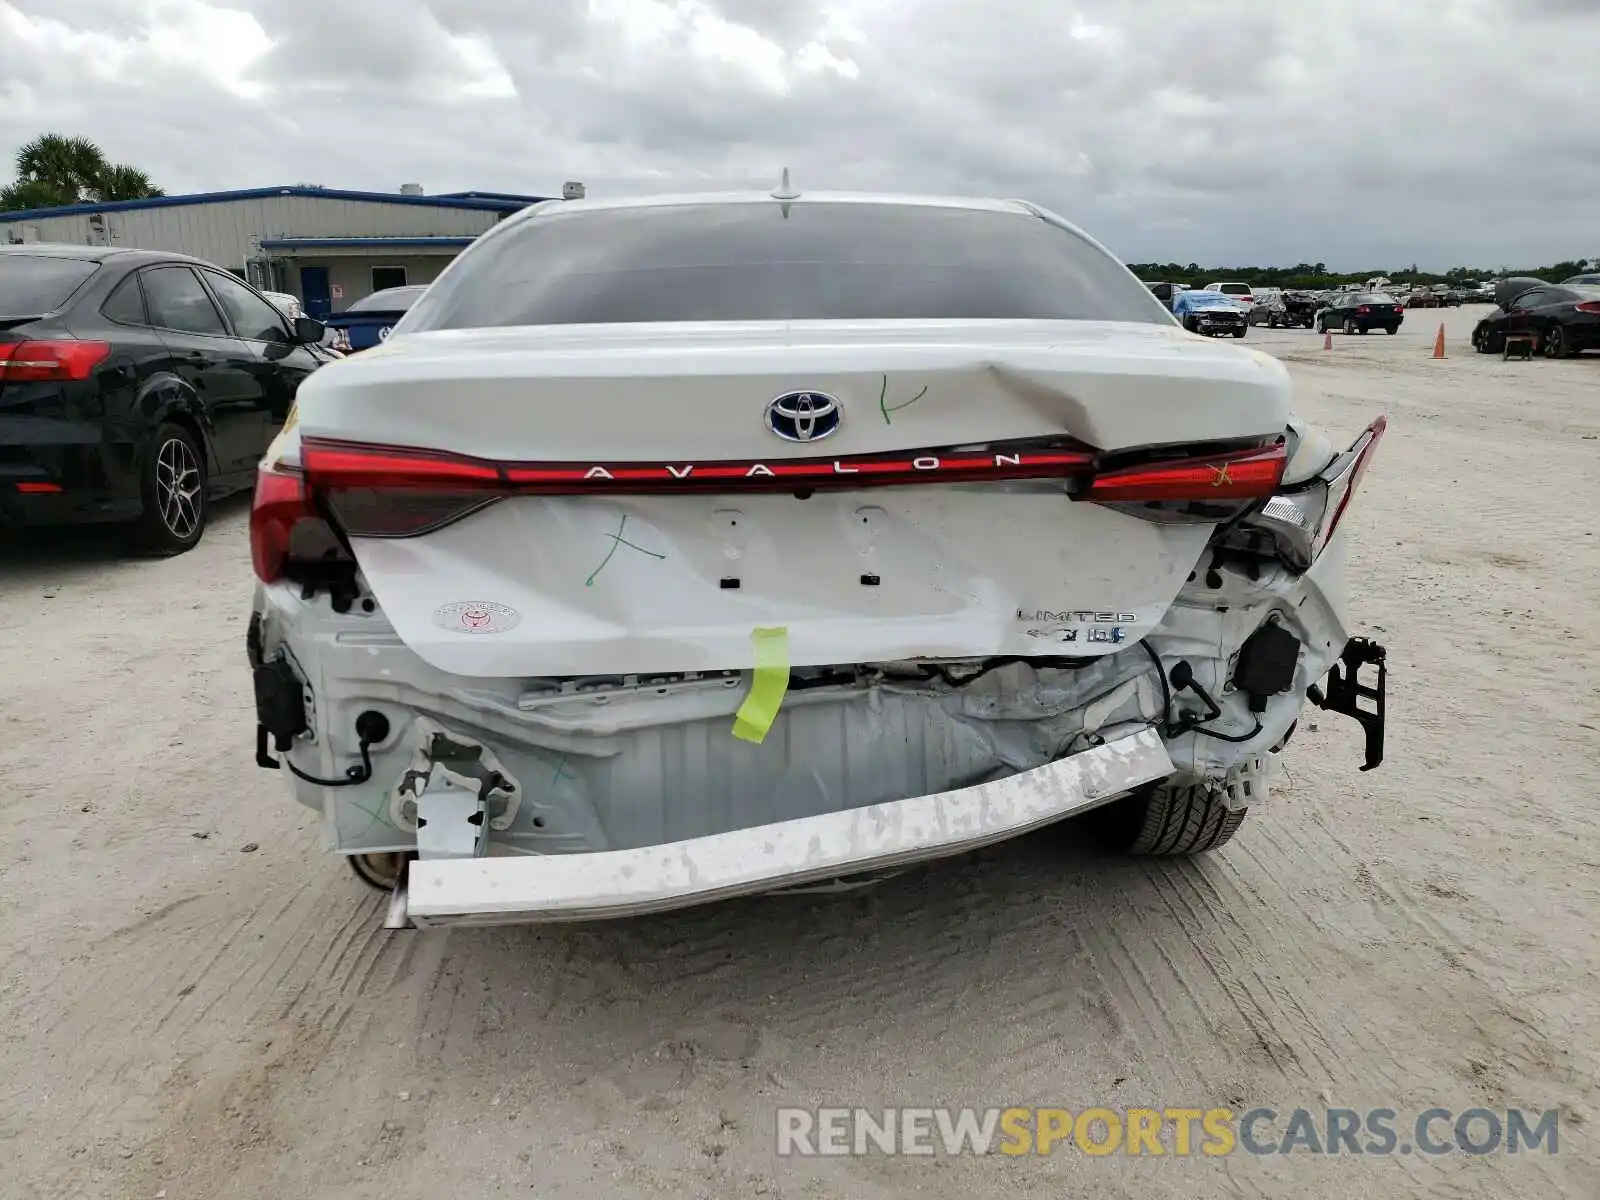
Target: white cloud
[(1223, 132)]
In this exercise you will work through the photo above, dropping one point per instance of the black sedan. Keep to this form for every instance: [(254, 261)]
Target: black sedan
[(1361, 312), (1563, 319), (136, 386)]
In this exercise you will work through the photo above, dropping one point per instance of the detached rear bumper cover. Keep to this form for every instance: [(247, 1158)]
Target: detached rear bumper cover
[(616, 883)]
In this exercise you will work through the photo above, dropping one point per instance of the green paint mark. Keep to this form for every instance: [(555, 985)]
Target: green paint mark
[(561, 772), (618, 540), (886, 408), (374, 818)]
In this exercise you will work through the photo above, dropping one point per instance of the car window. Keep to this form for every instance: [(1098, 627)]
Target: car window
[(177, 301), (125, 305), (822, 260), (1531, 299), (34, 284), (1234, 289), (252, 317)]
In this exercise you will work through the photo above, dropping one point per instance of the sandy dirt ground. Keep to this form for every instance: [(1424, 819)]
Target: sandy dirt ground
[(197, 1001)]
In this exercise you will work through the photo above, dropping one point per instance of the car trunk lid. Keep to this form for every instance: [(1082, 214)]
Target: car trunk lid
[(671, 523)]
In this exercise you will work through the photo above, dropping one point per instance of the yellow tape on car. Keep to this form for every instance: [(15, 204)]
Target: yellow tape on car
[(768, 686)]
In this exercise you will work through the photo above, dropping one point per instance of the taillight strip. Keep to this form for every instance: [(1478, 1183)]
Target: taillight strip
[(330, 464), (1249, 474)]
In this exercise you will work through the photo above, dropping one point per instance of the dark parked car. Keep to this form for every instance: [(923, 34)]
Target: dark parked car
[(1167, 293), (1564, 319), (368, 321), (1361, 312), (136, 386)]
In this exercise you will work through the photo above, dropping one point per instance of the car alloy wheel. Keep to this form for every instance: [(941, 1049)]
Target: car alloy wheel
[(1555, 345), (1349, 327), (178, 486)]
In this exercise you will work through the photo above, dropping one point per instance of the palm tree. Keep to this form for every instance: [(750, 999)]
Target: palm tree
[(54, 169)]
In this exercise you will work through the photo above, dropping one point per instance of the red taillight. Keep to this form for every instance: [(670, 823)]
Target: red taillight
[(1588, 306), (331, 466), (1251, 474), (50, 361), (1371, 438), (282, 499), (1362, 309), (35, 487), (1399, 308), (398, 491)]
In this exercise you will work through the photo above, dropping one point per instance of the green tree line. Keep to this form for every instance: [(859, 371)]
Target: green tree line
[(1314, 276), (55, 169)]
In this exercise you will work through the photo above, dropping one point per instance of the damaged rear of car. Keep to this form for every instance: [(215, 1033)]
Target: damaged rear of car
[(680, 549)]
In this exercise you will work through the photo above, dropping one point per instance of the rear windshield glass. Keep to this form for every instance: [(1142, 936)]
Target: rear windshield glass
[(1376, 298), (816, 260), (1234, 289), (1210, 299), (388, 300), (34, 284)]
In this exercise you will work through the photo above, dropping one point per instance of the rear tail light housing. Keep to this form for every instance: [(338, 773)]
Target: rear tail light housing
[(289, 538), (1363, 309), (1302, 520), (50, 361), (1208, 487), (1588, 306), (348, 489)]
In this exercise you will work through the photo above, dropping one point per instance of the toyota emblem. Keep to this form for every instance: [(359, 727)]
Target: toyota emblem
[(804, 416)]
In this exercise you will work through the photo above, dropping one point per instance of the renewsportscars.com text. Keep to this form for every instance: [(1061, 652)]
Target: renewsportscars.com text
[(1210, 1132)]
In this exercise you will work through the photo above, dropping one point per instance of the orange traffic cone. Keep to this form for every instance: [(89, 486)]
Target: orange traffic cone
[(1327, 341), (1438, 342)]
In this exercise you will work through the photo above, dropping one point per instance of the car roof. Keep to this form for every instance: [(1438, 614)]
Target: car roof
[(678, 199), (98, 253), (373, 301)]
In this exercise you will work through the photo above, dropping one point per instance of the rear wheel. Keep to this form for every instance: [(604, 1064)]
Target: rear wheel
[(173, 488), (1239, 332), (1391, 329), (1178, 819), (381, 871), (1349, 328), (1555, 344)]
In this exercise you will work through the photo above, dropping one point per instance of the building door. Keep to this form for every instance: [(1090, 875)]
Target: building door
[(315, 295)]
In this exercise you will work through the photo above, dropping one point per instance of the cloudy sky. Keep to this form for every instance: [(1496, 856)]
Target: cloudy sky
[(1216, 131)]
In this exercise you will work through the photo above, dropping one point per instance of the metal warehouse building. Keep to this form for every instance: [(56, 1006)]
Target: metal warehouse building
[(325, 246)]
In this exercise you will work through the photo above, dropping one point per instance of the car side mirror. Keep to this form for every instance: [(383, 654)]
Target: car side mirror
[(308, 331)]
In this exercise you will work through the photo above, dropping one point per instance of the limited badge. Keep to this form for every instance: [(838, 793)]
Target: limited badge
[(476, 616)]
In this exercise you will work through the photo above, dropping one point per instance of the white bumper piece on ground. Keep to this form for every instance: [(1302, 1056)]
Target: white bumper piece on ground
[(619, 883)]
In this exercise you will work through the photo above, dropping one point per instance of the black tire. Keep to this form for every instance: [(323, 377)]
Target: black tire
[(1179, 820), (1240, 332), (1349, 328), (381, 871), (172, 485), (1189, 324), (1555, 344), (1391, 329)]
